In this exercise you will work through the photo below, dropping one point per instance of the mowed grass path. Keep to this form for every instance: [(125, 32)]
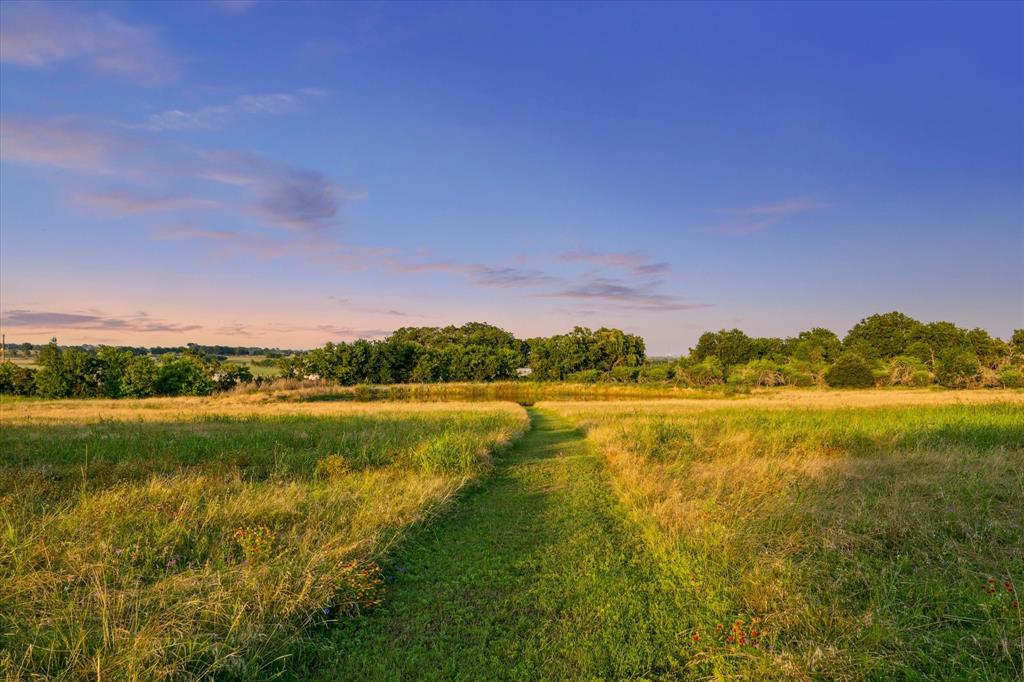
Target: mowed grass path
[(531, 576)]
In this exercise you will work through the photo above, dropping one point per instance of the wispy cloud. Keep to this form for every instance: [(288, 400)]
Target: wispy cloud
[(50, 321), (217, 116), (346, 333), (353, 307), (478, 274), (40, 35), (122, 202), (62, 144), (228, 242), (286, 196), (754, 219), (788, 207), (277, 193), (641, 296), (634, 262)]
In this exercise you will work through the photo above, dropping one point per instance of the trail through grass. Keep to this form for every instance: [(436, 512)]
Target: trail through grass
[(531, 576)]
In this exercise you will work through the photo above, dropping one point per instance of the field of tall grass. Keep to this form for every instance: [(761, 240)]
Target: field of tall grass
[(860, 535), (196, 537)]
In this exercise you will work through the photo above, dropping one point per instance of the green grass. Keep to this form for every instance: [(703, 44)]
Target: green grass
[(870, 543), (247, 537), (211, 545), (262, 370), (531, 576)]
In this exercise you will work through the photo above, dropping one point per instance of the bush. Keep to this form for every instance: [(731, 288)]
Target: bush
[(651, 374), (703, 374), (16, 380), (624, 374), (756, 373), (921, 377), (801, 373), (587, 376), (850, 371), (902, 369), (1011, 377), (957, 369), (183, 376)]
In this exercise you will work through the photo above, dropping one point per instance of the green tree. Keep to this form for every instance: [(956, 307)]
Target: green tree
[(850, 371), (882, 336), (139, 379), (184, 375), (957, 368), (816, 345), (16, 380)]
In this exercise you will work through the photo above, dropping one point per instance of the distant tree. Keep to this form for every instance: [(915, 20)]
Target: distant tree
[(882, 336), (708, 372), (185, 375), (957, 368), (139, 379), (112, 366), (850, 371), (227, 375), (816, 345), (1017, 340), (66, 372), (16, 380), (732, 347)]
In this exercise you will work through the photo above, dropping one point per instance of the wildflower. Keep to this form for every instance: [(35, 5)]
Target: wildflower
[(695, 638), (719, 626)]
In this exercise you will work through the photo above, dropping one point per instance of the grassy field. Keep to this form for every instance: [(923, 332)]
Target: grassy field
[(265, 371), (188, 543), (782, 535), (820, 540)]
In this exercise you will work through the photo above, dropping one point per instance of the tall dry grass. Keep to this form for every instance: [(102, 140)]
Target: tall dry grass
[(196, 542), (831, 542)]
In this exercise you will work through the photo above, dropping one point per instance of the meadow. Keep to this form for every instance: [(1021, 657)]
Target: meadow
[(170, 539), (861, 536), (624, 533)]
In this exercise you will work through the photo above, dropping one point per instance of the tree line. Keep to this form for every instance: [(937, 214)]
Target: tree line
[(886, 349), (114, 372)]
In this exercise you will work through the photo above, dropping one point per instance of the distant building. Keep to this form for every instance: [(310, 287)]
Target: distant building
[(524, 372)]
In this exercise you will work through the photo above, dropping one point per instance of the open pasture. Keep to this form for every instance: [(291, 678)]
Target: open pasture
[(859, 535), (169, 539)]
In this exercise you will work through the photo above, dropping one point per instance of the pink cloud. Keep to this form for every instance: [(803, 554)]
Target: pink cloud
[(39, 35)]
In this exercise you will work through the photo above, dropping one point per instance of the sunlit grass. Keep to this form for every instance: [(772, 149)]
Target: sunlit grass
[(830, 542), (190, 543)]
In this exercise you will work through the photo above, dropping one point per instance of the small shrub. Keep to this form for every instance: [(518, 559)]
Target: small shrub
[(958, 369), (921, 377), (706, 373), (850, 371), (587, 376), (902, 369), (1011, 377)]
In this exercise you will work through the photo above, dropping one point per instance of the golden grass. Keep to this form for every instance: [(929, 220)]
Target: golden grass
[(224, 405), (860, 529), (127, 554)]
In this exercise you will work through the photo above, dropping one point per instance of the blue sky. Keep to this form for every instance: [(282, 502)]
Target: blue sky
[(288, 174)]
